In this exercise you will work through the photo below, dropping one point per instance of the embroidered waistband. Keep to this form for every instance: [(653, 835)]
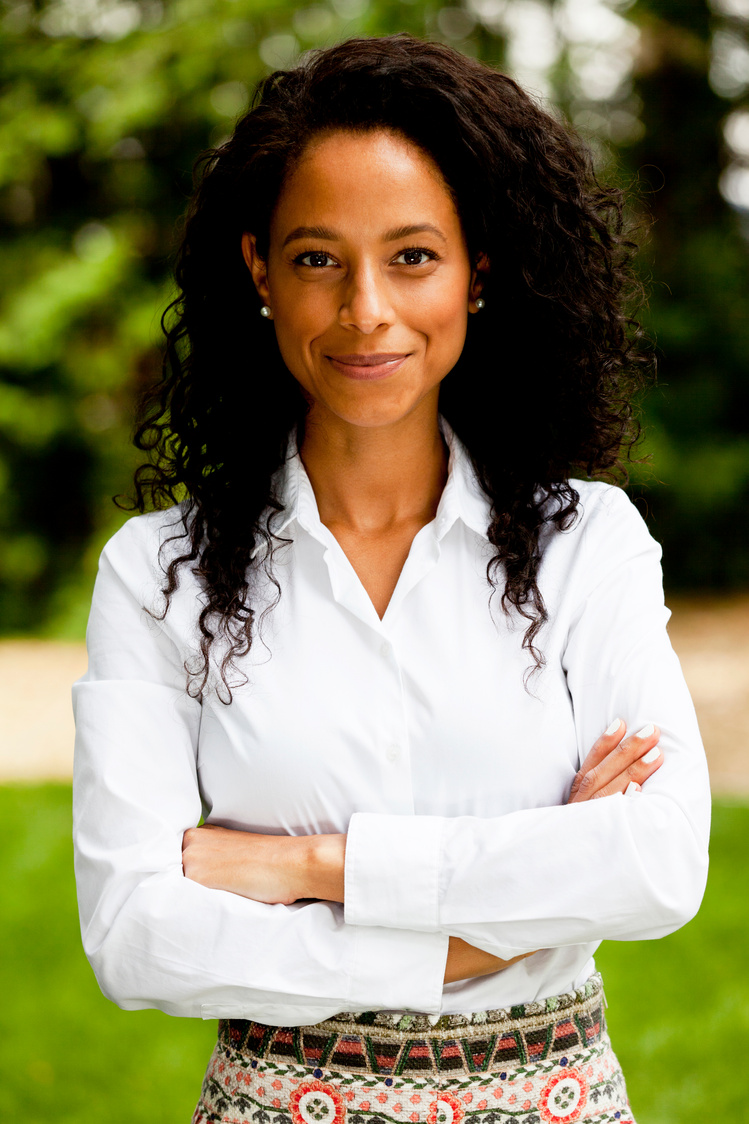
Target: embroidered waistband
[(485, 1041)]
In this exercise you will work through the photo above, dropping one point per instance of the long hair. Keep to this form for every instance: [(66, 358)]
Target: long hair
[(543, 388)]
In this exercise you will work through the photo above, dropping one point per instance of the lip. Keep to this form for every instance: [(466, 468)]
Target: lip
[(376, 365)]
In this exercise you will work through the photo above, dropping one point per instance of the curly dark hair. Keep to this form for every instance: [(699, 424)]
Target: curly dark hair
[(543, 389)]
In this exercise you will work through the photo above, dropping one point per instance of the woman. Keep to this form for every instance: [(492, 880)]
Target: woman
[(416, 832)]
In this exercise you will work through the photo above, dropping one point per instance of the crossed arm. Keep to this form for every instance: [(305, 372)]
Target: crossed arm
[(286, 868)]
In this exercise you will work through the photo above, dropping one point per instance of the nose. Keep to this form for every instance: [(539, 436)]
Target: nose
[(366, 303)]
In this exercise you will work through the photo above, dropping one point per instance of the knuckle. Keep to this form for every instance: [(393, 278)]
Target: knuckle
[(191, 869), (588, 782), (633, 749)]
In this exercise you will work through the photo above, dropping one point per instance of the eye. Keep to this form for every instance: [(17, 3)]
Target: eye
[(315, 255), (416, 251)]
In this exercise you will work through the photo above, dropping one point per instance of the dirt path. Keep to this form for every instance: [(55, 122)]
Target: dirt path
[(36, 728), (711, 638)]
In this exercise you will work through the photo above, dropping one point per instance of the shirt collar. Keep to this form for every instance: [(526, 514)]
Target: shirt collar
[(462, 497)]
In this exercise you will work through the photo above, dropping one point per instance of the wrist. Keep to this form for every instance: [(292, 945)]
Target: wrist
[(324, 867)]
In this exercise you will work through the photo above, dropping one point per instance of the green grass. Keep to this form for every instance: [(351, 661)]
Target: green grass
[(68, 1055), (678, 1008)]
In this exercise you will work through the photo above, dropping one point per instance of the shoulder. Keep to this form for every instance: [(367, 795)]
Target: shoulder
[(144, 532), (143, 546), (598, 498), (607, 532), (133, 632), (604, 510)]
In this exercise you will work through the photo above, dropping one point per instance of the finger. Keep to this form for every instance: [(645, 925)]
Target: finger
[(635, 758), (607, 741), (631, 780), (638, 747)]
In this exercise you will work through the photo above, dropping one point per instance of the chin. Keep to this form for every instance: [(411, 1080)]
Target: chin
[(374, 414)]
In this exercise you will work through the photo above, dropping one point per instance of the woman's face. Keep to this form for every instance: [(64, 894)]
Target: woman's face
[(367, 276)]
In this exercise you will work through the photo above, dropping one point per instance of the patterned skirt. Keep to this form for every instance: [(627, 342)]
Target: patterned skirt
[(549, 1062)]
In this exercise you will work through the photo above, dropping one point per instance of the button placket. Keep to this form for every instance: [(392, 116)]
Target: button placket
[(393, 748), (395, 743), (402, 745)]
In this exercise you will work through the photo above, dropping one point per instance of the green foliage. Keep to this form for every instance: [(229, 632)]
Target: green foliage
[(70, 1056), (103, 109), (697, 259)]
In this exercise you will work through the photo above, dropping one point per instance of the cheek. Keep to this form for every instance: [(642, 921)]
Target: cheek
[(297, 327), (293, 353), (444, 318)]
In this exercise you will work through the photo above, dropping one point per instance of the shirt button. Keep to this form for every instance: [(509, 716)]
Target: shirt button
[(384, 648), (393, 752)]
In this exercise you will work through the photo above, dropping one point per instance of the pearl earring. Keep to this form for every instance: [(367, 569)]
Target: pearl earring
[(265, 311), (480, 303)]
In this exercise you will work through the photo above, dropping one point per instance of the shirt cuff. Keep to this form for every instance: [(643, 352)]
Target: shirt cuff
[(405, 970), (391, 871)]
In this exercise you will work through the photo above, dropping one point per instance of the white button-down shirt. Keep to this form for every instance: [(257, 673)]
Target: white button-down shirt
[(416, 735)]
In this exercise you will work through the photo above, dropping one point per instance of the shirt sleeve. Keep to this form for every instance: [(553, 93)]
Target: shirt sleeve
[(617, 867), (154, 938)]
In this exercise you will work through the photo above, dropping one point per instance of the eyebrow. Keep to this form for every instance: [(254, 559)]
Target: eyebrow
[(324, 233)]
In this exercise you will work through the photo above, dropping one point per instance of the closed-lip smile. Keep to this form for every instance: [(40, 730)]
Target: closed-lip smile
[(355, 359), (376, 365)]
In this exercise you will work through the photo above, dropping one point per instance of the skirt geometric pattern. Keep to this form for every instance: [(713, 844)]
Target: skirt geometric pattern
[(537, 1063)]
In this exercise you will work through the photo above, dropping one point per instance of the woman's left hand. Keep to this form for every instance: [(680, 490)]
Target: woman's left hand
[(274, 869), (617, 764)]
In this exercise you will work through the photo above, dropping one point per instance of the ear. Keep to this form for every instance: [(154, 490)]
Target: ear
[(256, 266), (479, 273)]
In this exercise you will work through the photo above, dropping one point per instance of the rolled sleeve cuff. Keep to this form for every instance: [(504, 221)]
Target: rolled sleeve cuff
[(405, 970), (391, 871)]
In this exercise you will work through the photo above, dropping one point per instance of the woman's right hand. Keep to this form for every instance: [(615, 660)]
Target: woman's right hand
[(613, 765)]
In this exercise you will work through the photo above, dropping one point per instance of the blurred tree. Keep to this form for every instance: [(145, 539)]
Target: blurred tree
[(103, 108), (659, 89), (699, 309), (104, 105)]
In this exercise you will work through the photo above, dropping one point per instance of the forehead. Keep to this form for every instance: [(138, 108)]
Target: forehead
[(363, 174)]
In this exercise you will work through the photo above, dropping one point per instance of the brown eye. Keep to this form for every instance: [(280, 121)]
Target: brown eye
[(315, 256), (416, 252)]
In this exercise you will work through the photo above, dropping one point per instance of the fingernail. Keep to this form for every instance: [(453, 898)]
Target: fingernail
[(614, 726), (646, 731), (652, 755), (631, 788)]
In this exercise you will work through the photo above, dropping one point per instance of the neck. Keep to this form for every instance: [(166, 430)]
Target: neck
[(372, 479)]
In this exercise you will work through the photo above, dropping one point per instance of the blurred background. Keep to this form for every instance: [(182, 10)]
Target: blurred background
[(104, 105)]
